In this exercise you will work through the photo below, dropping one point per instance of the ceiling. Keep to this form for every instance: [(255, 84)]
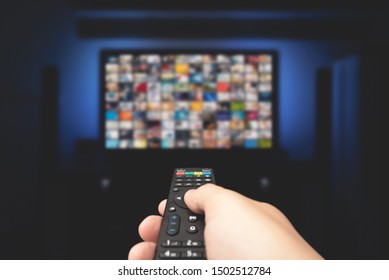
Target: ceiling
[(251, 5)]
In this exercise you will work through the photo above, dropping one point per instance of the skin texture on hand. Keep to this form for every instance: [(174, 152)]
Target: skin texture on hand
[(236, 227)]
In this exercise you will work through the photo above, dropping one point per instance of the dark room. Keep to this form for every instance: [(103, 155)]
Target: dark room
[(106, 105)]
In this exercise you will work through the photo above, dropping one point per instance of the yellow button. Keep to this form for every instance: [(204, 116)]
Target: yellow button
[(198, 173)]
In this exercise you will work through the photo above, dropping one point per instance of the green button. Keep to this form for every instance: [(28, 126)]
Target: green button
[(189, 173)]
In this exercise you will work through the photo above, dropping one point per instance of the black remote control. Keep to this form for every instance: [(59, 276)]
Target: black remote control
[(182, 231)]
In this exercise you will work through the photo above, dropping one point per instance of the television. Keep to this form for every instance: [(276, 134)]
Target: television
[(194, 100)]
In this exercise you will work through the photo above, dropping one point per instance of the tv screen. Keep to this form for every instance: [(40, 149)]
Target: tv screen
[(188, 100)]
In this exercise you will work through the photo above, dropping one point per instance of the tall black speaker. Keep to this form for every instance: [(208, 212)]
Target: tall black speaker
[(323, 117), (49, 123), (320, 192), (52, 193), (373, 152)]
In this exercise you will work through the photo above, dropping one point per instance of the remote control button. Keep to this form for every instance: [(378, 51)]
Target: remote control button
[(169, 254), (198, 180), (190, 254), (171, 243), (172, 231), (188, 184), (178, 184), (198, 173), (207, 173), (173, 225), (189, 173), (192, 218), (192, 229), (192, 243), (172, 209), (180, 173), (188, 179), (198, 184), (208, 180), (179, 180), (175, 189), (179, 200)]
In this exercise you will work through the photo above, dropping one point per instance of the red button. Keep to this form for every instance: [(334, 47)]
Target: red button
[(180, 173)]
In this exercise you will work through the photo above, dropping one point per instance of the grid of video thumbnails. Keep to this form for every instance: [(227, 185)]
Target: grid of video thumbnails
[(194, 101)]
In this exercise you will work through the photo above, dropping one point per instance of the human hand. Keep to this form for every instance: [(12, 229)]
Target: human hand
[(236, 227)]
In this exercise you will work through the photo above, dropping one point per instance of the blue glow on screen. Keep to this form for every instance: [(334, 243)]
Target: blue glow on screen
[(298, 62)]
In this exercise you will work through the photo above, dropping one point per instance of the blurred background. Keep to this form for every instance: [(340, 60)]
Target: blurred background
[(63, 197)]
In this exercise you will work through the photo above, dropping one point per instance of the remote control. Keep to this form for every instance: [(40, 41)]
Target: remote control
[(182, 231)]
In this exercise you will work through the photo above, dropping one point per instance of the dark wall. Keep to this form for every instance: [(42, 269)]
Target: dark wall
[(53, 48)]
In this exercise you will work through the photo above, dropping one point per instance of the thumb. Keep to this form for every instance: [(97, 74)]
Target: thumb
[(200, 200)]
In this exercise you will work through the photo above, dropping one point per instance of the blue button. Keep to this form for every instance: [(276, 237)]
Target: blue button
[(207, 173)]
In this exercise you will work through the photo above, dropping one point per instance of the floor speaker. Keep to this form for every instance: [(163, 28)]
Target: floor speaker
[(52, 192)]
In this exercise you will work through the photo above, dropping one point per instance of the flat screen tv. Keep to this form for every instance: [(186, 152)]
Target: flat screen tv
[(188, 99)]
